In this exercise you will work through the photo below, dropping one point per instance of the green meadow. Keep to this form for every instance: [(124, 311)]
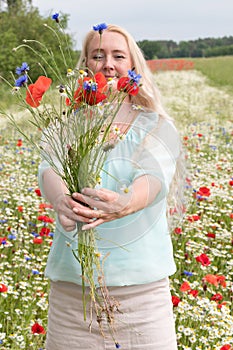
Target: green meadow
[(200, 101), (217, 69)]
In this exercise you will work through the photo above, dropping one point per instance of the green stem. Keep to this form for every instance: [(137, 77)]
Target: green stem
[(83, 293)]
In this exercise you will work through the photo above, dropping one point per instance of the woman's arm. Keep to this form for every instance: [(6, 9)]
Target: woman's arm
[(57, 194), (111, 205)]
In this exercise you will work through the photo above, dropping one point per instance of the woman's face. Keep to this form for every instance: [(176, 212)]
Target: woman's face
[(113, 58)]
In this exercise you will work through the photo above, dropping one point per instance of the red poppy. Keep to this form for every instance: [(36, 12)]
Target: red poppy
[(212, 279), (90, 91), (215, 280), (185, 287), (38, 192), (219, 306), (221, 280), (217, 297), (20, 208), (44, 231), (19, 143), (43, 206), (193, 292), (126, 84), (37, 329), (175, 300), (231, 182), (3, 288), (202, 193), (36, 91), (193, 218), (38, 240), (45, 218), (226, 347), (178, 230), (203, 259), (210, 235)]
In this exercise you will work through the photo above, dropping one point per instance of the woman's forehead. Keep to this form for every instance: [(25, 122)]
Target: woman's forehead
[(108, 40)]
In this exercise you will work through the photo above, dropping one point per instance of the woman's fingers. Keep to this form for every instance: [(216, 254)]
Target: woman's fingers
[(104, 206), (100, 199), (66, 223), (93, 224)]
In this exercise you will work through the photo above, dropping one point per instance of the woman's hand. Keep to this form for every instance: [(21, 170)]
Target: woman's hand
[(55, 192), (64, 206), (105, 205), (108, 205)]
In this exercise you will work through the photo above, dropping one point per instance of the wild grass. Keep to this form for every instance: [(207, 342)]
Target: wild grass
[(219, 70)]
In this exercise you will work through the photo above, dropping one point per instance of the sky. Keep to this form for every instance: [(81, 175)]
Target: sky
[(175, 20)]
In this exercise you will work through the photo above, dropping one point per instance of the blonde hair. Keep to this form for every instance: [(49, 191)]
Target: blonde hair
[(148, 95)]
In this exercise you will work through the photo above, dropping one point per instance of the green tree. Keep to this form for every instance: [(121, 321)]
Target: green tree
[(226, 50), (13, 6), (27, 24), (149, 48)]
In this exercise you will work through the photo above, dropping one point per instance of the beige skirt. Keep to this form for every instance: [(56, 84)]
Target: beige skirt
[(146, 320)]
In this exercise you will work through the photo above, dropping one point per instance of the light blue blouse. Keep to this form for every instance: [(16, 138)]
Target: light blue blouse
[(139, 245)]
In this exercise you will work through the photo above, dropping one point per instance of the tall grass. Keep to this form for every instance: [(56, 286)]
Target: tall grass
[(219, 70)]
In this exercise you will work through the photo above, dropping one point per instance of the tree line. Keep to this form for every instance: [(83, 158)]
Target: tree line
[(207, 47), (20, 20)]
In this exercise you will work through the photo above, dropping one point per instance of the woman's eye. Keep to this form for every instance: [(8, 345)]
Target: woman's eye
[(120, 56), (98, 57)]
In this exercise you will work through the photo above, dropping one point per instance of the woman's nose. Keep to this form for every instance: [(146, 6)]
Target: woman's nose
[(108, 63)]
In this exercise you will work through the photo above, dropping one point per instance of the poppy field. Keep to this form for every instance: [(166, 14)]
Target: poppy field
[(164, 64), (202, 287)]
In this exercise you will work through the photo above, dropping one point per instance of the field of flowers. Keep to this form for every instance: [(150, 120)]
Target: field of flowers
[(202, 288), (164, 64)]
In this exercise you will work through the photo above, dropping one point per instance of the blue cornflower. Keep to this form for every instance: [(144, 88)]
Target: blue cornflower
[(35, 234), (23, 69), (90, 86), (135, 78), (21, 80), (35, 272), (187, 273), (30, 223), (55, 16), (117, 345), (100, 27), (11, 236)]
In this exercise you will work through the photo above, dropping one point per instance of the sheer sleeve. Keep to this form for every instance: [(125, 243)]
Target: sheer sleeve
[(157, 154)]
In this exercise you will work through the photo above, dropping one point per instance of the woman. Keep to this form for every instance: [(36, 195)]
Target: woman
[(132, 224)]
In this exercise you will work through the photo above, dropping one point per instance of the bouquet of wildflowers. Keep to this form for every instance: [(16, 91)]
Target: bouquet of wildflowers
[(76, 137)]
